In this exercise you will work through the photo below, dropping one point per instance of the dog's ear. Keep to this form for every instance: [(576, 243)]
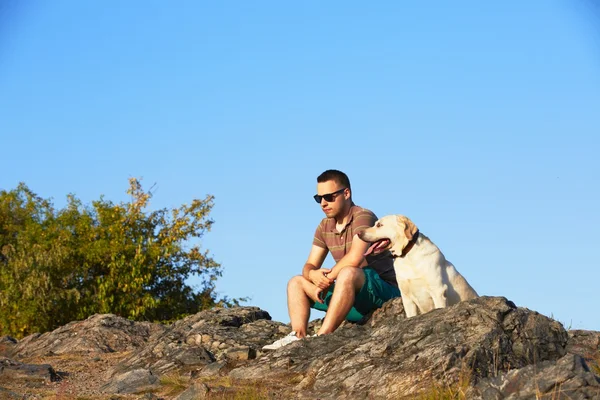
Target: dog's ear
[(409, 227)]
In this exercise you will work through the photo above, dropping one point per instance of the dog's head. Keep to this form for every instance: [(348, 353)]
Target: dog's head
[(392, 232)]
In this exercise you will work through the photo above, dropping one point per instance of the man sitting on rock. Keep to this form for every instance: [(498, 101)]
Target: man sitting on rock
[(354, 286)]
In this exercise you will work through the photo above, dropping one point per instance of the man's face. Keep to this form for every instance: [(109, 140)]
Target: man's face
[(332, 208)]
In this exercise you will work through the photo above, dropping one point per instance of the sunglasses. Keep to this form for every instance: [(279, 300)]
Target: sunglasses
[(329, 197)]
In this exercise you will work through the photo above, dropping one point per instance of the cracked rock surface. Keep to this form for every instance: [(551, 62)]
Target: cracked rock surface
[(487, 347)]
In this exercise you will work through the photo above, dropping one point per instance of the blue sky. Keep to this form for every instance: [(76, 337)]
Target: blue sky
[(478, 120)]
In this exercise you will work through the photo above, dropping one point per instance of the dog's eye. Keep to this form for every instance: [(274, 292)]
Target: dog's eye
[(379, 225)]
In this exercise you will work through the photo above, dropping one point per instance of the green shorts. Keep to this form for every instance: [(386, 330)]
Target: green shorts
[(371, 296)]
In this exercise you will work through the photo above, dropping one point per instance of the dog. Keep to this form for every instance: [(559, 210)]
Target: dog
[(425, 278)]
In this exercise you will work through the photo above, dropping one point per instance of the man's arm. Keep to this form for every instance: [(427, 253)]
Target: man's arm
[(312, 269), (354, 258)]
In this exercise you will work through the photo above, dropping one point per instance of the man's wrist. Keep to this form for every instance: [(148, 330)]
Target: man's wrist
[(307, 270)]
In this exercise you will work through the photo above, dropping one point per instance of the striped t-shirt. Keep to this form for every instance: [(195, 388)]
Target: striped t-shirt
[(338, 243)]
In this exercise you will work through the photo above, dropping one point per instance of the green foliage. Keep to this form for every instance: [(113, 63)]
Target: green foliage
[(62, 265)]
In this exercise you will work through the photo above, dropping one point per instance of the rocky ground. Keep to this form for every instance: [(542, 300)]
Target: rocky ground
[(486, 348)]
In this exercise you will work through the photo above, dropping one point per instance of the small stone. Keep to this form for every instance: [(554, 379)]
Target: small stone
[(198, 390), (206, 339), (211, 369), (240, 353)]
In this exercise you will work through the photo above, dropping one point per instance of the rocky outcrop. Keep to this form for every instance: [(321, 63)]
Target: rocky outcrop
[(101, 333), (211, 336), (568, 378), (7, 345), (485, 348), (398, 357), (9, 394), (584, 343), (36, 375)]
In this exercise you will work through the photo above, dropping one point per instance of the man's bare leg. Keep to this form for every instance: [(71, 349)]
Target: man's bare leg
[(300, 292), (348, 283)]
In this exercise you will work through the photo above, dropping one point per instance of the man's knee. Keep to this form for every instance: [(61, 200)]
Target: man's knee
[(354, 276), (296, 282)]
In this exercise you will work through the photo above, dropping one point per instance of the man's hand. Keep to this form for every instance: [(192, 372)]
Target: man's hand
[(320, 279), (354, 258), (320, 295)]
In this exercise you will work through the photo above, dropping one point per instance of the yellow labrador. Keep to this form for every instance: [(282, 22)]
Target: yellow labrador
[(426, 279)]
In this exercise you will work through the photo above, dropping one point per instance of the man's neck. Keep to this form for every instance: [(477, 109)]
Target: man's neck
[(343, 220)]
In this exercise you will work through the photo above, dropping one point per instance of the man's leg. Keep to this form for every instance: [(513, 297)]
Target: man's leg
[(300, 292), (348, 283)]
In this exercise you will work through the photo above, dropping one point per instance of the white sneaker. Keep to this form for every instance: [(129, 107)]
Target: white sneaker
[(282, 342)]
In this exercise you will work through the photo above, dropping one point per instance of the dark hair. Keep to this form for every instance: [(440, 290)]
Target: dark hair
[(335, 175)]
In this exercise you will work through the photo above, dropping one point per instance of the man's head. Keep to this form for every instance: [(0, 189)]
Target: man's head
[(334, 193)]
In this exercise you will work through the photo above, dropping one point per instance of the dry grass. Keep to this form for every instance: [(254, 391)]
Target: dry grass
[(454, 391), (595, 364), (226, 388), (558, 394), (255, 392), (173, 384), (220, 387)]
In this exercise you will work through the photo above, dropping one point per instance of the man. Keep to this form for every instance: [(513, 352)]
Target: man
[(355, 285)]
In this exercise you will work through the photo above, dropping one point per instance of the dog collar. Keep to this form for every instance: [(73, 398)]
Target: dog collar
[(409, 246)]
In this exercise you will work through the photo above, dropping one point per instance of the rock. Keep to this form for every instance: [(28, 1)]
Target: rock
[(7, 345), (205, 337), (488, 347), (134, 381), (209, 370), (197, 391), (568, 378), (9, 394), (397, 357), (151, 396), (30, 374), (584, 343), (392, 312), (100, 333), (240, 353)]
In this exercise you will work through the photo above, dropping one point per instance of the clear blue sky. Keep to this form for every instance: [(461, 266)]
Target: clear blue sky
[(478, 120)]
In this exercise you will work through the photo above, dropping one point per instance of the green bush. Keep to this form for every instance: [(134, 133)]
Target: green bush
[(57, 266)]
